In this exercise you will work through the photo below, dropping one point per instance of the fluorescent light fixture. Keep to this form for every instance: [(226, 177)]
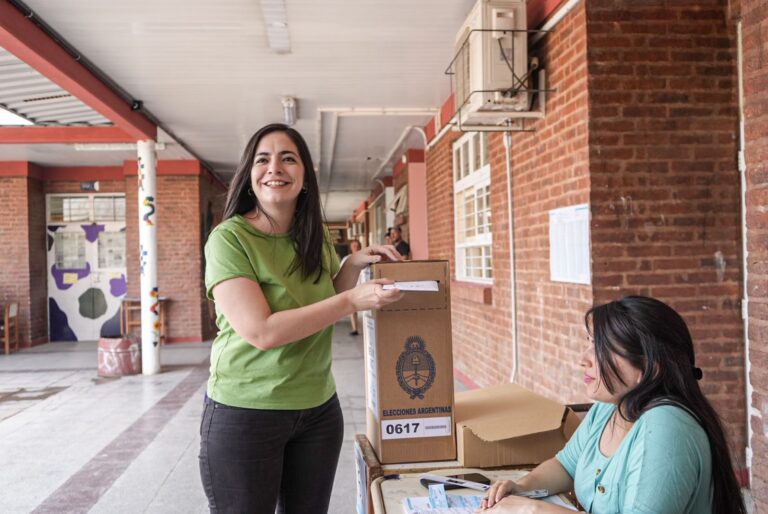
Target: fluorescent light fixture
[(111, 147), (276, 23), (8, 118), (289, 110)]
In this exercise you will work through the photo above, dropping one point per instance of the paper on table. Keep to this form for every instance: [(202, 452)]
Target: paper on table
[(416, 285), (438, 502)]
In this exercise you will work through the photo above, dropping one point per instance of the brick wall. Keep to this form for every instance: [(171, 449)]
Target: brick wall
[(550, 170), (38, 262), (755, 40), (14, 259), (214, 193), (665, 187), (179, 257)]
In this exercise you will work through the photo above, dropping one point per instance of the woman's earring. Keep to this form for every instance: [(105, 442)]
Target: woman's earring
[(250, 191), (304, 189)]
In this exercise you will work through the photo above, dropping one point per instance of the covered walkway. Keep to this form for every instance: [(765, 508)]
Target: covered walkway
[(74, 442)]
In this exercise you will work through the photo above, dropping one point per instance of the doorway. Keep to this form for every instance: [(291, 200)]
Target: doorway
[(86, 265)]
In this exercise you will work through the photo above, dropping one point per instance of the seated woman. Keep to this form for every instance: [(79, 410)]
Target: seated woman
[(652, 443)]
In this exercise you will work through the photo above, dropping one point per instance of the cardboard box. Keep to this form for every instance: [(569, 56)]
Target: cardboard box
[(409, 368), (509, 425)]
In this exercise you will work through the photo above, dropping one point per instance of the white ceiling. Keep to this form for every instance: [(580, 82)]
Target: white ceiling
[(205, 71)]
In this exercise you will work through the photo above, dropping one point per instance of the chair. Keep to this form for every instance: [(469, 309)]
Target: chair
[(130, 316), (9, 329)]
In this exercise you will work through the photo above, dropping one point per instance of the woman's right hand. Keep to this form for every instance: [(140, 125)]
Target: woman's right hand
[(498, 491), (372, 295)]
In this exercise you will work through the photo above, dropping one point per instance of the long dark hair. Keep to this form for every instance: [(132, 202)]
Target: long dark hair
[(307, 228), (654, 338)]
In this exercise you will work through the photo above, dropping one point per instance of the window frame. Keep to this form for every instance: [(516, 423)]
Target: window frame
[(477, 180), (91, 197)]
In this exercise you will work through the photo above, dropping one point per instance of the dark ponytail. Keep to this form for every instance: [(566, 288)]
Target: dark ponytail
[(654, 338)]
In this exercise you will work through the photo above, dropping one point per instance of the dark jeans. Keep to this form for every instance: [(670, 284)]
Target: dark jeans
[(252, 461)]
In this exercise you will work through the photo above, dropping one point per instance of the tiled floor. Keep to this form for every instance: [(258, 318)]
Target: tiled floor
[(73, 442)]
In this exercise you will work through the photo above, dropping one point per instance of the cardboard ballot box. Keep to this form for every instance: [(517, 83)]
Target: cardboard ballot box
[(409, 366), (509, 425)]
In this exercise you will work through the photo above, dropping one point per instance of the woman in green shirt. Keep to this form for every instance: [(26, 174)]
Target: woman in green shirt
[(651, 443), (272, 426)]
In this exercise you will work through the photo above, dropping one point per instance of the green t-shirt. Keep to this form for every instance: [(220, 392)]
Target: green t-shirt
[(294, 376)]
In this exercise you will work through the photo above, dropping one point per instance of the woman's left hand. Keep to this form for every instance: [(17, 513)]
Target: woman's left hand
[(374, 253), (514, 505)]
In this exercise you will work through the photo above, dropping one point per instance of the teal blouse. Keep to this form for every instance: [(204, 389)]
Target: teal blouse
[(663, 465)]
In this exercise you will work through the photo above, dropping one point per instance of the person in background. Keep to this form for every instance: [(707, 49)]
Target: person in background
[(272, 426), (396, 239), (387, 239), (354, 247), (651, 443)]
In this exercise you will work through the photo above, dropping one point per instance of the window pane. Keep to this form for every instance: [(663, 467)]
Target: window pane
[(486, 158), (469, 214), (119, 208), (111, 249), (109, 208), (103, 208), (477, 151), (76, 209), (56, 208), (484, 210), (456, 164), (487, 262), (465, 159), (69, 248)]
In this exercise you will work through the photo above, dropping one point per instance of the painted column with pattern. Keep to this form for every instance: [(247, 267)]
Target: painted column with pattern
[(150, 305)]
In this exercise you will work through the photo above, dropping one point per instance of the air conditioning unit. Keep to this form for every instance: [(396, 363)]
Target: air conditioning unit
[(491, 63)]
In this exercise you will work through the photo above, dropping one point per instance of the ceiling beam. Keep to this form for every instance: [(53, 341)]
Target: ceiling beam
[(23, 38), (63, 135)]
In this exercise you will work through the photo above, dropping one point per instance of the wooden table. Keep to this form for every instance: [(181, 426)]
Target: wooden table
[(387, 494), (378, 493)]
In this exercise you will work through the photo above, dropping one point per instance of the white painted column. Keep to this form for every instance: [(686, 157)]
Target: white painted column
[(150, 304)]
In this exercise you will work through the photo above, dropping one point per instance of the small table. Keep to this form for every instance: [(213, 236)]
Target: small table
[(130, 315), (387, 495)]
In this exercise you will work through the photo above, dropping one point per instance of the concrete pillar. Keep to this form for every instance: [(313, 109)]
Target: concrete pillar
[(150, 303)]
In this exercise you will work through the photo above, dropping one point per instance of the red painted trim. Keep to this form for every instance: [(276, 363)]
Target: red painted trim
[(464, 379), (388, 180), (430, 129), (398, 169), (21, 169), (83, 173), (63, 135), (360, 209), (415, 155), (20, 36), (539, 10), (167, 168), (448, 109), (14, 169)]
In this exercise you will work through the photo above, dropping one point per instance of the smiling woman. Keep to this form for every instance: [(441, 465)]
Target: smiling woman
[(272, 425)]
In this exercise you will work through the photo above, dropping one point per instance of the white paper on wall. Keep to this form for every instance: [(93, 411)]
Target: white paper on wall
[(569, 249)]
